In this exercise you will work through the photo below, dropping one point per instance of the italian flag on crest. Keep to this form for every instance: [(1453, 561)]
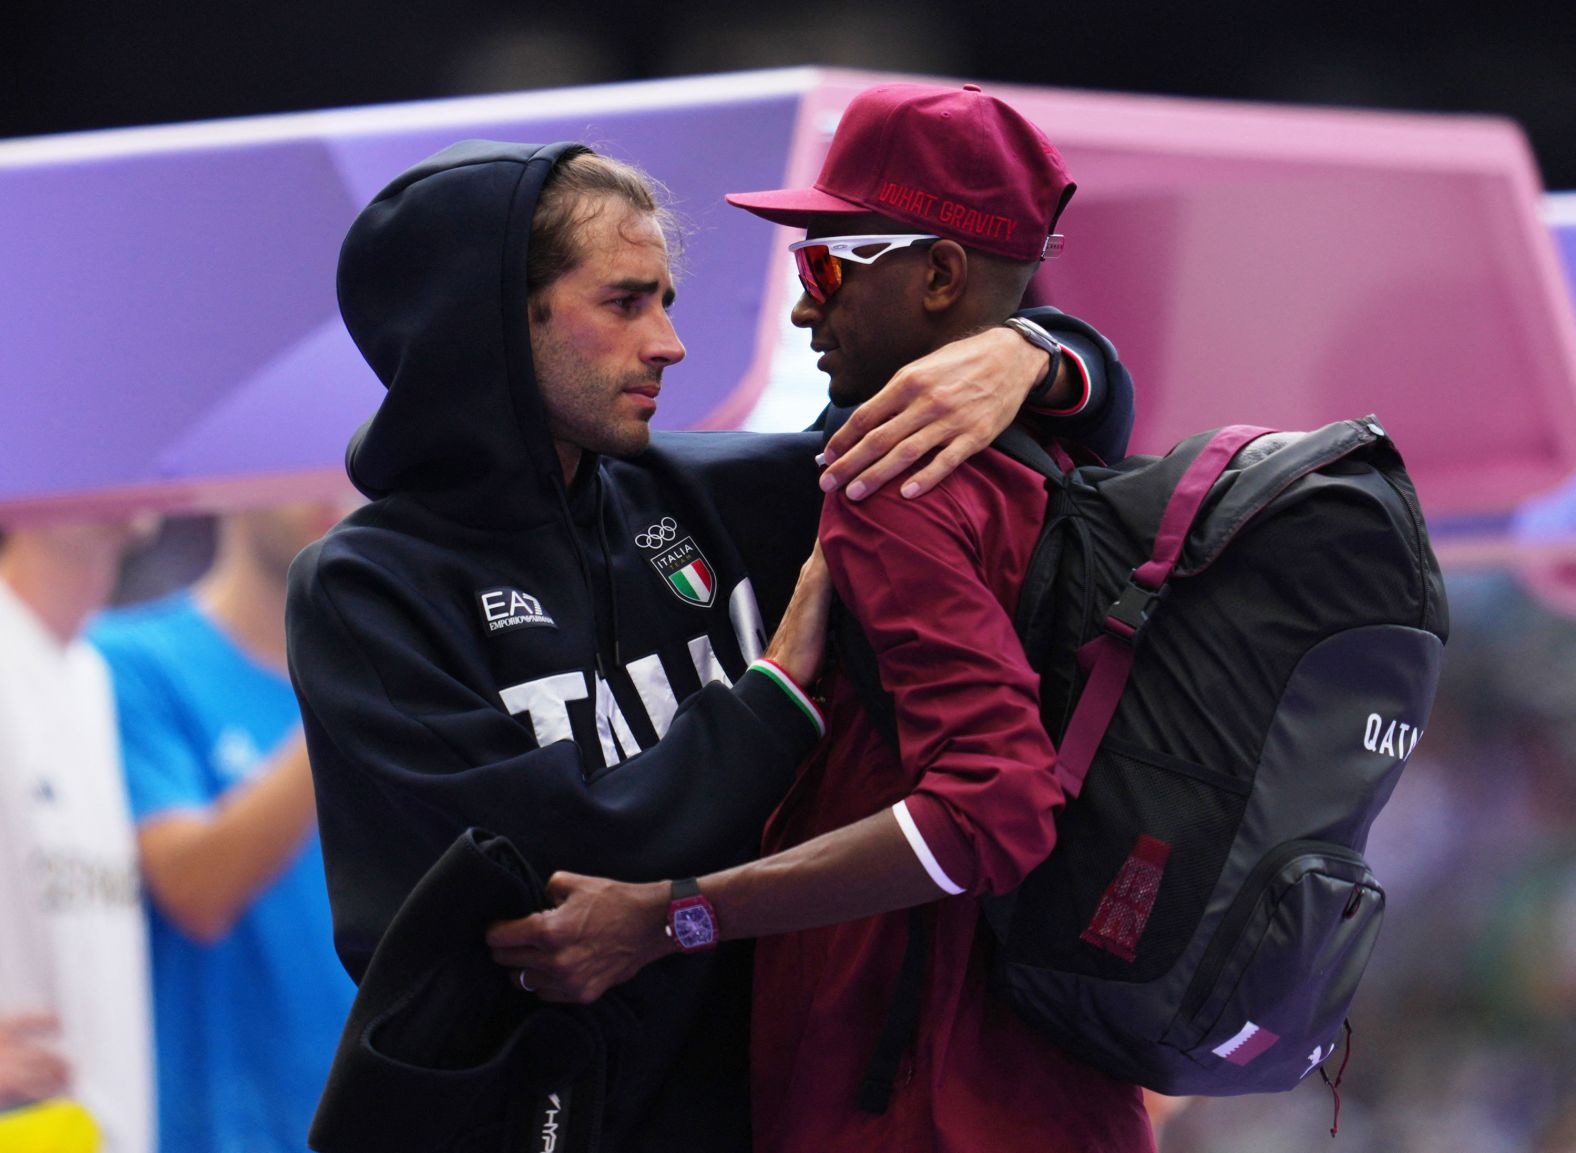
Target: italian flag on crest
[(687, 573), (694, 581)]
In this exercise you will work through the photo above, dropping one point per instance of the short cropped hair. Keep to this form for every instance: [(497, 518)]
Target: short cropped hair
[(573, 194)]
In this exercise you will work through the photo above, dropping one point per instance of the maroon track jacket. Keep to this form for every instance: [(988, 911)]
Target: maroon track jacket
[(933, 582)]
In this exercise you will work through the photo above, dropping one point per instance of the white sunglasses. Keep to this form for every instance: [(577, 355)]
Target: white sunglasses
[(819, 260)]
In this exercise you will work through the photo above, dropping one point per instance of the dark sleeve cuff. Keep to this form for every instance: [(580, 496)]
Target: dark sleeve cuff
[(1104, 422), (782, 705)]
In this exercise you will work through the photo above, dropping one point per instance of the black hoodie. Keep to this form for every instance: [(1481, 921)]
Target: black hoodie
[(447, 637), (568, 668)]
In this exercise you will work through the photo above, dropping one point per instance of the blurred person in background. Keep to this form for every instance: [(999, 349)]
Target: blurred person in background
[(75, 1042), (248, 995)]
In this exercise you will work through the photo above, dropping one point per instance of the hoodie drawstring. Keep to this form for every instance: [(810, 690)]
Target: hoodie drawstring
[(600, 515), (607, 563), (585, 568)]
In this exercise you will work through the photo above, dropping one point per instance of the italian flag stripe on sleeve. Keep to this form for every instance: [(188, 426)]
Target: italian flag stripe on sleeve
[(795, 693)]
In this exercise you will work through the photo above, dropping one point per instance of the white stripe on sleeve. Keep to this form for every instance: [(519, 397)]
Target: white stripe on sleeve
[(922, 850)]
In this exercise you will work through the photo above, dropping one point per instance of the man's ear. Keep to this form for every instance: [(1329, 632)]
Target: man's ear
[(946, 275)]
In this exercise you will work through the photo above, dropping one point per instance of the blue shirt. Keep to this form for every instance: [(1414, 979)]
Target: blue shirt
[(245, 1028)]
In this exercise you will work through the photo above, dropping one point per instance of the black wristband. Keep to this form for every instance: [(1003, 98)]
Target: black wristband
[(1039, 396)]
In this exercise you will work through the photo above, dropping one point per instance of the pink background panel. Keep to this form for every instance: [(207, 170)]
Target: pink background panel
[(1288, 267)]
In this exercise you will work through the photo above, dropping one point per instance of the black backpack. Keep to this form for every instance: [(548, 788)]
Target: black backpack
[(1238, 645)]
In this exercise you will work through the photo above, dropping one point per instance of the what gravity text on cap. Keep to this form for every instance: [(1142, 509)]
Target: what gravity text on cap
[(953, 161)]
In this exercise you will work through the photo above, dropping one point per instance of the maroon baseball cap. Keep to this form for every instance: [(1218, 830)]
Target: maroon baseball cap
[(951, 161)]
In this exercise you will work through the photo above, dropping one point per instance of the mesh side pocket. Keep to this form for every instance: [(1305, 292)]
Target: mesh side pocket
[(1137, 855)]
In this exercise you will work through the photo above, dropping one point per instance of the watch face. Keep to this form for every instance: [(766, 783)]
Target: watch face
[(692, 927)]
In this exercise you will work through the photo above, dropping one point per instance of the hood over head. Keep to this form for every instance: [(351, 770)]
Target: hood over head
[(432, 287)]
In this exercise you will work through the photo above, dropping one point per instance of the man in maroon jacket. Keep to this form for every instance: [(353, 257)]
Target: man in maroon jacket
[(932, 212)]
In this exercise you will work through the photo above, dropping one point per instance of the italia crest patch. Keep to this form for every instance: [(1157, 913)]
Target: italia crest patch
[(679, 562)]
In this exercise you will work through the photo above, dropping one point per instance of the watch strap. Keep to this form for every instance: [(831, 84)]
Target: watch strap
[(688, 887)]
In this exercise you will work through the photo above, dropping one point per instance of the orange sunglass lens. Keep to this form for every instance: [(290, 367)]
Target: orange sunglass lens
[(819, 271)]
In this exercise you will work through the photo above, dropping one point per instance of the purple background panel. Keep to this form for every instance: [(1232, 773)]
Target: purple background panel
[(175, 338), (294, 413), (176, 330), (139, 288), (700, 153), (1563, 209)]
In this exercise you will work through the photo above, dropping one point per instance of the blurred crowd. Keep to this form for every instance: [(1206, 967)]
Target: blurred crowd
[(167, 975)]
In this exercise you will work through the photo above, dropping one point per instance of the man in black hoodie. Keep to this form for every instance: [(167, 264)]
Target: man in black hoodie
[(549, 622)]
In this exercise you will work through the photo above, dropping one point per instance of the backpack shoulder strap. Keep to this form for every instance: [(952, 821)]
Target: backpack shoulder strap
[(1263, 471), (1109, 656), (857, 660), (1049, 460), (850, 650)]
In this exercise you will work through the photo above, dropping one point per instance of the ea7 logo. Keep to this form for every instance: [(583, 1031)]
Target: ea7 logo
[(1397, 739), (504, 609)]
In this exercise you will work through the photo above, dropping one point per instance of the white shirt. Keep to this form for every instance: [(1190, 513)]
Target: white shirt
[(73, 938)]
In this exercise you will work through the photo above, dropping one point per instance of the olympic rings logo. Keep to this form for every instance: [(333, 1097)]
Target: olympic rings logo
[(659, 534)]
